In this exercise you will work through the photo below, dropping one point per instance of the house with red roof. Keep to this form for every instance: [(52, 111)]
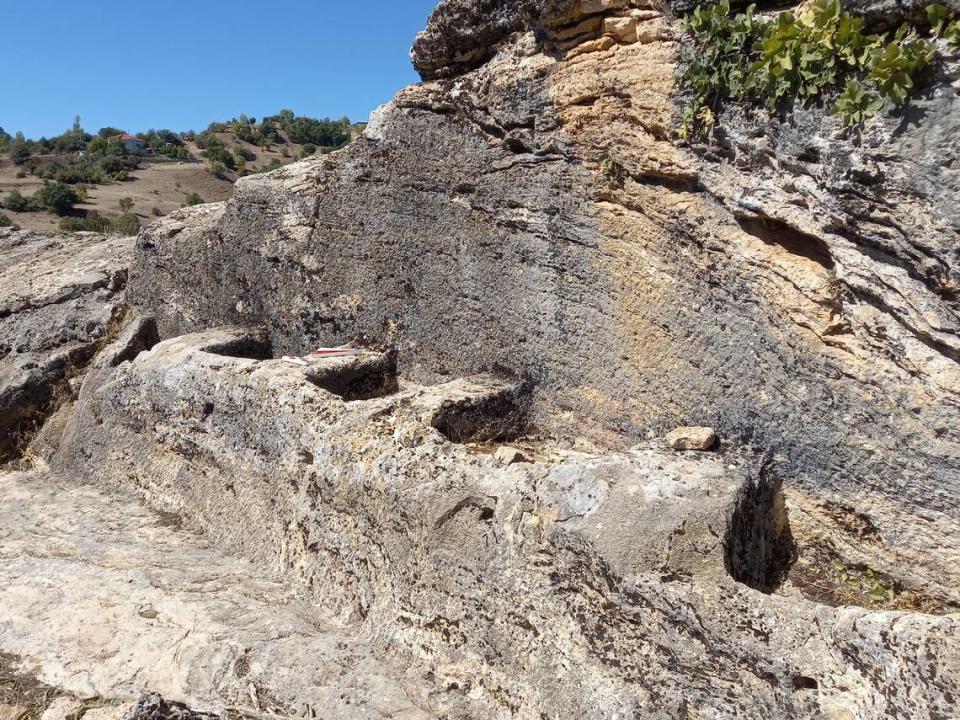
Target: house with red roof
[(132, 143)]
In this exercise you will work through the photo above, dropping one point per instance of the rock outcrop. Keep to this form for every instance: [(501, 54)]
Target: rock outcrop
[(580, 585), (793, 288), (524, 241), (59, 299)]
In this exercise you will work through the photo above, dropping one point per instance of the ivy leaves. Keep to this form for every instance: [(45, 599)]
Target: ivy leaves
[(802, 58)]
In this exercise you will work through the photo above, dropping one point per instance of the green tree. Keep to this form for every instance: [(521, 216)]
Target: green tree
[(56, 197)]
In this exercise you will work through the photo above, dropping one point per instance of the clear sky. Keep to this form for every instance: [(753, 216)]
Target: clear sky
[(181, 64)]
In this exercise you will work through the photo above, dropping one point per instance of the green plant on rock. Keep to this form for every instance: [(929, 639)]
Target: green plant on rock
[(944, 23), (855, 104), (893, 66), (821, 53), (876, 586)]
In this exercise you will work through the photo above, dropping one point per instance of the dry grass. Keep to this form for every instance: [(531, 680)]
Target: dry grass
[(17, 688), (821, 577)]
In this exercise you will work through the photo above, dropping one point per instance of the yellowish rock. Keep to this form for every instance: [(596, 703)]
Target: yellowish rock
[(692, 438), (623, 29), (12, 712)]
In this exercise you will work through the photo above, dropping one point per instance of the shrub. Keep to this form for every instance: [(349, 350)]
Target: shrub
[(217, 152), (218, 170), (16, 201), (944, 23), (6, 222), (326, 133), (243, 153), (126, 204), (309, 149), (93, 222), (271, 166), (156, 212), (126, 224), (802, 58), (19, 153), (57, 197), (192, 199)]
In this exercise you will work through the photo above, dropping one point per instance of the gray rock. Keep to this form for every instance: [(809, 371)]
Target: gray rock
[(542, 256), (506, 455), (153, 707), (542, 588), (80, 570), (59, 297), (462, 34), (796, 293)]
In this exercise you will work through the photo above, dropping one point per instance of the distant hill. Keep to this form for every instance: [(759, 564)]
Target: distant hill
[(114, 180)]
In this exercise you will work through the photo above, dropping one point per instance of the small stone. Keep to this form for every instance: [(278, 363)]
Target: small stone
[(147, 611), (623, 29), (63, 708), (509, 455), (692, 438), (12, 712), (598, 45)]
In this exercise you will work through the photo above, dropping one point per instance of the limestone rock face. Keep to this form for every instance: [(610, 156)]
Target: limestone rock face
[(58, 298), (553, 270), (581, 585), (796, 290)]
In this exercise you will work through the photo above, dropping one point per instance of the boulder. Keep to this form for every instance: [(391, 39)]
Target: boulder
[(551, 588)]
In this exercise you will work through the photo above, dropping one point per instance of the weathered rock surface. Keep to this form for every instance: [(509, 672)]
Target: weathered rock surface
[(105, 600), (616, 585), (528, 247), (58, 299)]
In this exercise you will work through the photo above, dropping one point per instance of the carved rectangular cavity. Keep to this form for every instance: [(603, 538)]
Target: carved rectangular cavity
[(255, 346), (482, 409), (364, 377)]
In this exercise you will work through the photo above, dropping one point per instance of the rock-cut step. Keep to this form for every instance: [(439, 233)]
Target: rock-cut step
[(102, 598)]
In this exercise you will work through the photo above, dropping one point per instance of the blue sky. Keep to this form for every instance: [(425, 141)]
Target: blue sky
[(181, 65)]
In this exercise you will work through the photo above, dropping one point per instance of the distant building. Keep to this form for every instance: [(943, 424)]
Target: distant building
[(132, 143)]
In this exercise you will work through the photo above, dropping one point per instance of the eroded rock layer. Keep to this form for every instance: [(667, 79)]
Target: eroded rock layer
[(793, 287)]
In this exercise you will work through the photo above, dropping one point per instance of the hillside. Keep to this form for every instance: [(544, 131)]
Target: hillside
[(173, 170)]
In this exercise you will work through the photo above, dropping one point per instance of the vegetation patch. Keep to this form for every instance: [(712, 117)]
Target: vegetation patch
[(824, 53)]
